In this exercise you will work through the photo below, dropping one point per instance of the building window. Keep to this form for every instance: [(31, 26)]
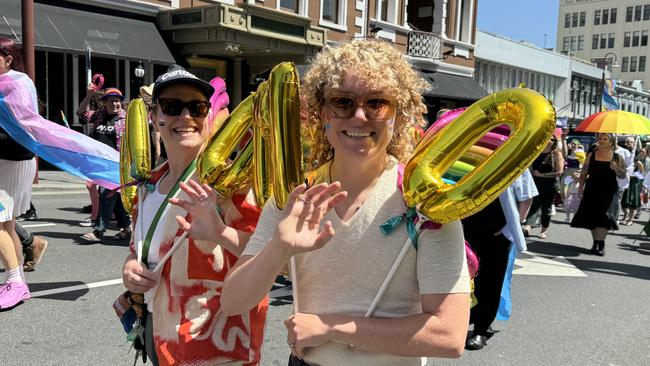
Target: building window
[(610, 42), (646, 12), (612, 16), (594, 42), (603, 40), (581, 43), (567, 20), (597, 17), (332, 11), (565, 43), (625, 64), (289, 5), (635, 38), (644, 38), (628, 13), (574, 41), (642, 64), (633, 64), (626, 39), (605, 16), (574, 20), (583, 18), (384, 10), (637, 13)]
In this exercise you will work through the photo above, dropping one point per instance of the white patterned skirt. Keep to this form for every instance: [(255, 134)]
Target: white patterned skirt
[(16, 179)]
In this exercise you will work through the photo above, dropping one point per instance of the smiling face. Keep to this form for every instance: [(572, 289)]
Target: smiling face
[(604, 141), (182, 132), (361, 135), (113, 105)]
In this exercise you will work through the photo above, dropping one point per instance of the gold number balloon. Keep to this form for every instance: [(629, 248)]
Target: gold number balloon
[(127, 193), (285, 144), (531, 119), (137, 136), (272, 160), (214, 159)]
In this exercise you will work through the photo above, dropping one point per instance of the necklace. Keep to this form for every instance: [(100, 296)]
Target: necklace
[(329, 180)]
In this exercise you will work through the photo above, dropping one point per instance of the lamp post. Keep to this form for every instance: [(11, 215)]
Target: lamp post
[(602, 86), (139, 72)]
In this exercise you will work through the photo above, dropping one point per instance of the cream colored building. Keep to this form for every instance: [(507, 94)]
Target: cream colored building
[(618, 29)]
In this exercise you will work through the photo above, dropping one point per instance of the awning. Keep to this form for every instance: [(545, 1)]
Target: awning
[(452, 86), (71, 30)]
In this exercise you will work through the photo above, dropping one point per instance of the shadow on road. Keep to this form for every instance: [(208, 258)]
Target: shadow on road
[(572, 252), (76, 238), (642, 248), (69, 295)]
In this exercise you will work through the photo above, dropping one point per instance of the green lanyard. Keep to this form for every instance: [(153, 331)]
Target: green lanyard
[(183, 178)]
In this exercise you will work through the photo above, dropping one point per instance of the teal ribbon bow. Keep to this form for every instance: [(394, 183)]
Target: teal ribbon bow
[(411, 218)]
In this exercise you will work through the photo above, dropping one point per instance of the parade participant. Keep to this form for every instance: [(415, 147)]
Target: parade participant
[(18, 167), (107, 127), (34, 247), (89, 105), (598, 190), (184, 325), (631, 199), (362, 97), (572, 201), (548, 166)]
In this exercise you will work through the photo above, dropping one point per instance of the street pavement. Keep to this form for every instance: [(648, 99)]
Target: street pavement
[(569, 307)]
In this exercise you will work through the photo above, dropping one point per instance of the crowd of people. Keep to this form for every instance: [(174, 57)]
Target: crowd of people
[(193, 294)]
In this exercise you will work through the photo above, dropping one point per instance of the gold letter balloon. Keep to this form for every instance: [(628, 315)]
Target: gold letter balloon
[(272, 159), (137, 136), (531, 119)]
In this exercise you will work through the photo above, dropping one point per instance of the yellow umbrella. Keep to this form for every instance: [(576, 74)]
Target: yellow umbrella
[(616, 121)]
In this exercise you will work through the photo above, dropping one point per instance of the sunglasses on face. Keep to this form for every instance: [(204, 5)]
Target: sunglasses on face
[(174, 107), (375, 107)]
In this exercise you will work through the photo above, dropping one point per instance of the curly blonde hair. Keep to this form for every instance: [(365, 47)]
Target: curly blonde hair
[(382, 67)]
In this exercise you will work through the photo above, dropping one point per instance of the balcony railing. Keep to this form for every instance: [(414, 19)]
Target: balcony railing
[(424, 45)]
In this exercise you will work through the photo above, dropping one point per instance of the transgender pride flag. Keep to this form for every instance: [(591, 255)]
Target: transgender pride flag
[(67, 149)]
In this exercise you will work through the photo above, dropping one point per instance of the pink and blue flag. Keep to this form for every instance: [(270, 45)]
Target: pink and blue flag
[(67, 149)]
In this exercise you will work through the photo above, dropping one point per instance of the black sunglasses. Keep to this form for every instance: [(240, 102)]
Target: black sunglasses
[(174, 107)]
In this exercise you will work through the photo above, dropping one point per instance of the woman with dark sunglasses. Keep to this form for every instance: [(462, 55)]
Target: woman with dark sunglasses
[(184, 324), (362, 97)]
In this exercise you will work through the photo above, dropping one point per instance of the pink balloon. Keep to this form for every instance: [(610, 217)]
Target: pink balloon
[(491, 140), (219, 99), (472, 260)]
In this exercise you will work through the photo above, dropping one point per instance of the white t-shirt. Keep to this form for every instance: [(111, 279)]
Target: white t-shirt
[(150, 205), (344, 276)]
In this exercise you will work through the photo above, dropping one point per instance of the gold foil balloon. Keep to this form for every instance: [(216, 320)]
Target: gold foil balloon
[(214, 159), (127, 193), (285, 143), (137, 135), (531, 119), (238, 174), (262, 169)]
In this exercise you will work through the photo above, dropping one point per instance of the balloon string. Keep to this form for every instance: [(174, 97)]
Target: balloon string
[(294, 283), (171, 251)]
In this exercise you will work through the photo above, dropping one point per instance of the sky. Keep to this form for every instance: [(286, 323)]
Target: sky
[(520, 20)]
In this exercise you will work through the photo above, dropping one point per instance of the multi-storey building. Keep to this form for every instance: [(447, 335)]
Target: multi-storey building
[(242, 39), (616, 29)]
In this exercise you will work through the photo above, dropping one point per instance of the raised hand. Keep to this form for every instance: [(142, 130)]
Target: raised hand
[(206, 222), (299, 229)]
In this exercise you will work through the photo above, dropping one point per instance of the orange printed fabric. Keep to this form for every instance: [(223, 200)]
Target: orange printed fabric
[(188, 329)]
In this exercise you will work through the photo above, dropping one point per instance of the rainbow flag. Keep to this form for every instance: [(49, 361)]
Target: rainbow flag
[(67, 149), (609, 103)]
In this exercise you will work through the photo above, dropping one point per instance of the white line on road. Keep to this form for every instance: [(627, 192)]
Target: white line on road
[(85, 286), (39, 225), (59, 193)]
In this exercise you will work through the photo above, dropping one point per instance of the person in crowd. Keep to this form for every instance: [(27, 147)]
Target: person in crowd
[(627, 153), (494, 233), (88, 106), (548, 166), (572, 201), (18, 168), (598, 191), (184, 322), (30, 215), (362, 97), (34, 247), (572, 164), (107, 127), (631, 199)]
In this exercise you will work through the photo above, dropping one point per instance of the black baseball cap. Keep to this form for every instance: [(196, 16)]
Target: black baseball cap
[(178, 75)]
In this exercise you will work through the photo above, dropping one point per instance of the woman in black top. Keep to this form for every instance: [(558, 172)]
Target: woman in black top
[(598, 186), (548, 166)]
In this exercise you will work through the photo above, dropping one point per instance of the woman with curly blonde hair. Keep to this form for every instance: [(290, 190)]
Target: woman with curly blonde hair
[(362, 98)]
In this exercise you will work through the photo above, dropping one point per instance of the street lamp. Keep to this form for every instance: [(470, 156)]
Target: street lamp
[(139, 71)]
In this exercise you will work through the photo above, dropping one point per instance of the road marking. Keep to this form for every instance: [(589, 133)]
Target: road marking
[(536, 265), (59, 193), (39, 225), (85, 286)]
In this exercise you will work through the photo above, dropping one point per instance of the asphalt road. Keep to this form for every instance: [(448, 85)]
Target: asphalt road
[(569, 307)]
